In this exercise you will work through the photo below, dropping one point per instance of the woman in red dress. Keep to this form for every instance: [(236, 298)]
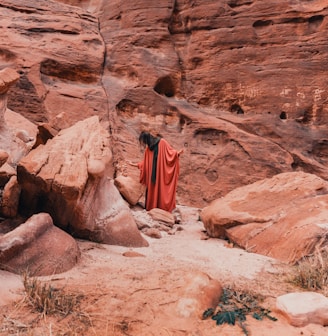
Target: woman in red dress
[(159, 172)]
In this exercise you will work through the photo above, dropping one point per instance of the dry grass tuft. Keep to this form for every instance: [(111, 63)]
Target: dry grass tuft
[(46, 299), (46, 310), (311, 272)]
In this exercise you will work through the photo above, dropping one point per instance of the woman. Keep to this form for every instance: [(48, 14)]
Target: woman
[(159, 171)]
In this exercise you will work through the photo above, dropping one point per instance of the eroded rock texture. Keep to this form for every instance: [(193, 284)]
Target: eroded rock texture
[(284, 217), (37, 247), (59, 53), (16, 140), (240, 84), (71, 178)]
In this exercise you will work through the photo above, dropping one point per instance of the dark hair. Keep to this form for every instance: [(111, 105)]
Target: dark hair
[(144, 138), (147, 139)]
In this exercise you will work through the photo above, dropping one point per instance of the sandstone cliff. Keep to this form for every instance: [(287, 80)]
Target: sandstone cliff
[(256, 68)]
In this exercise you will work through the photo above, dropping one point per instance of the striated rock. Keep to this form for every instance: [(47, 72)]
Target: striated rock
[(16, 123), (38, 247), (3, 157), (219, 156), (110, 220), (171, 64), (162, 215), (152, 232), (45, 132), (59, 52), (70, 177), (6, 172), (130, 188), (304, 308), (9, 201), (284, 217), (168, 66), (9, 141), (229, 57), (8, 77)]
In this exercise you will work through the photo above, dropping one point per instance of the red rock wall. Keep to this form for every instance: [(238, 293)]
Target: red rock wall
[(241, 84)]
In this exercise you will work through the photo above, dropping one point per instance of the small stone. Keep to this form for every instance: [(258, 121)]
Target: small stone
[(132, 254), (304, 308)]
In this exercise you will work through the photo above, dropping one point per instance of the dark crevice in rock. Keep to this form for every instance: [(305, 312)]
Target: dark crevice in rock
[(239, 3), (211, 175), (24, 10), (165, 86), (7, 55), (262, 23), (316, 20), (72, 72), (320, 151), (127, 107), (292, 20), (22, 97), (196, 61), (52, 30), (236, 108), (210, 137), (307, 117), (283, 115)]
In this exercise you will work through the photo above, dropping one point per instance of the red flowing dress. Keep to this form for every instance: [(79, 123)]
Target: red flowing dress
[(160, 194)]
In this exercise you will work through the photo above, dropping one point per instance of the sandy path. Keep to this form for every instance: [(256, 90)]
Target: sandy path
[(136, 291)]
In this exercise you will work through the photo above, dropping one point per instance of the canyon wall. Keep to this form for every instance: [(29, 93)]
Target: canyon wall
[(240, 84)]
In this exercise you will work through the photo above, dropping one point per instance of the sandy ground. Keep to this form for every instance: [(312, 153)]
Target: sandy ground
[(139, 291)]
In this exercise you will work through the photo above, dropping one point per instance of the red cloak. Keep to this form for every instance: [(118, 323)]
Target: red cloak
[(160, 194)]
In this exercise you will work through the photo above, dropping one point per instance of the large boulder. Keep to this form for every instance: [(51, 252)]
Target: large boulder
[(284, 217), (37, 247), (71, 177)]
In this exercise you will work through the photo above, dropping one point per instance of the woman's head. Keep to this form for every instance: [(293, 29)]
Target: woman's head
[(145, 138)]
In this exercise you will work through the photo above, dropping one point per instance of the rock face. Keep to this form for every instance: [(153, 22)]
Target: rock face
[(181, 63), (215, 77), (71, 178), (38, 247), (59, 53), (12, 147), (284, 217)]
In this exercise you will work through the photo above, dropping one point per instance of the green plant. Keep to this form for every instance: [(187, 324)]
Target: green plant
[(234, 306)]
